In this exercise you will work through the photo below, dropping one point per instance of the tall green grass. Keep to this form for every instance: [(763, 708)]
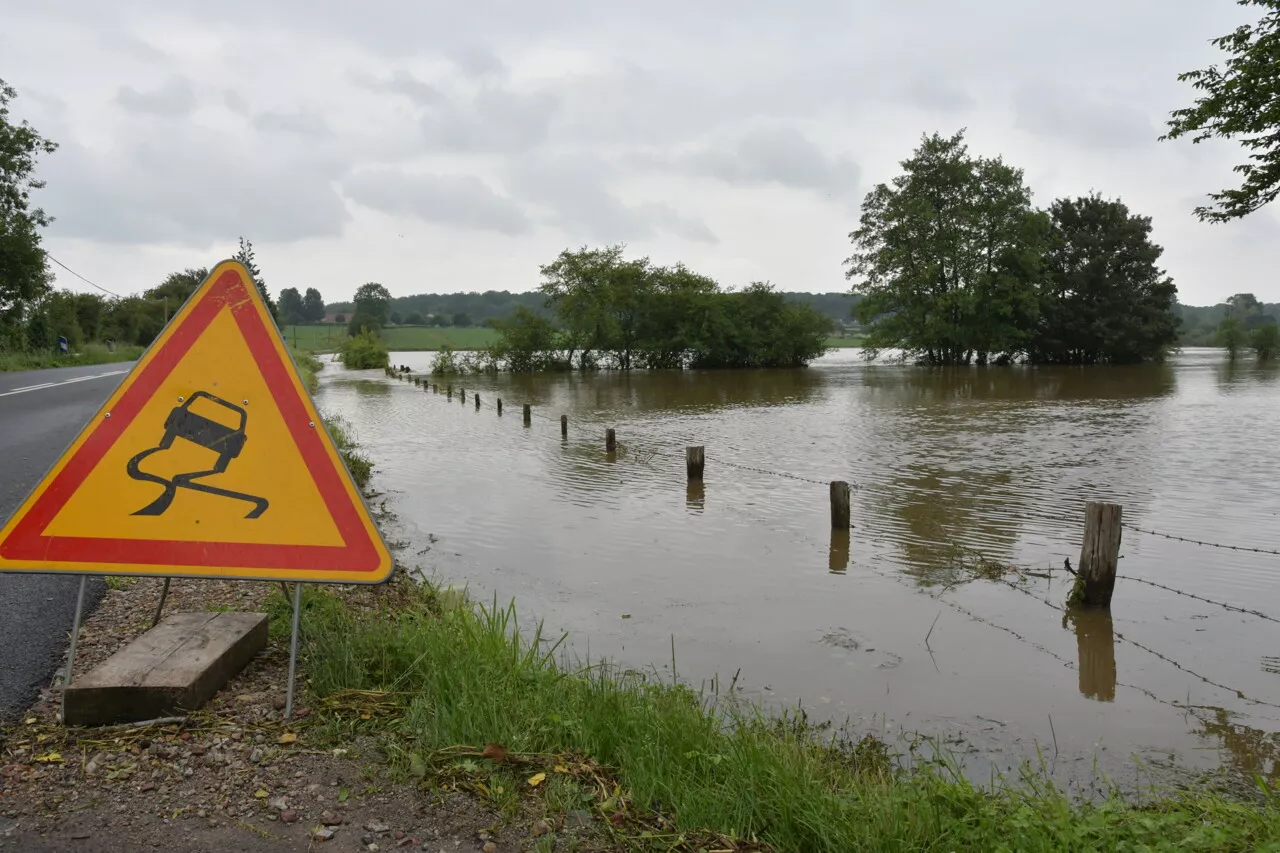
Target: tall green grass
[(474, 677), (88, 354)]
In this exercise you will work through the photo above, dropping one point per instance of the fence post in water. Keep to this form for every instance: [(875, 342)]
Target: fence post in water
[(448, 392), (610, 441), (477, 396), (695, 459), (528, 414), (499, 407), (462, 395), (839, 505), (1100, 552), (564, 426)]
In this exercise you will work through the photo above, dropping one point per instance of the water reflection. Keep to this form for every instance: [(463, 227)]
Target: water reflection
[(1096, 650), (695, 496), (838, 553), (932, 385), (1250, 751)]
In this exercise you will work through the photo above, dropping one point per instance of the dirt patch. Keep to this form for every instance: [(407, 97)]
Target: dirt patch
[(236, 775)]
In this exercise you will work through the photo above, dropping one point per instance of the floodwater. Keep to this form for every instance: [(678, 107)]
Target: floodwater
[(887, 627)]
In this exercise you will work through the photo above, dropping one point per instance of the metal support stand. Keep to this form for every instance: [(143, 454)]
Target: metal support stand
[(293, 649), (71, 653), (164, 593)]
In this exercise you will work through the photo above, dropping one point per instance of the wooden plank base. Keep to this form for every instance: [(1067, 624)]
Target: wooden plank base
[(173, 668)]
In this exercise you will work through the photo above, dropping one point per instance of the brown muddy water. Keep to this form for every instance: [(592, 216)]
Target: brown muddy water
[(949, 465)]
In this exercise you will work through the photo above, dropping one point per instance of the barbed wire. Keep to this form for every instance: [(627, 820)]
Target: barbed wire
[(1221, 604), (1240, 694), (1133, 527)]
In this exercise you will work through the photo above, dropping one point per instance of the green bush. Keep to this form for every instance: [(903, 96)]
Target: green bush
[(1265, 341), (364, 351)]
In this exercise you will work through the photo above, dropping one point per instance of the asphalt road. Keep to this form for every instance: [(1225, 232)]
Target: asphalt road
[(40, 413)]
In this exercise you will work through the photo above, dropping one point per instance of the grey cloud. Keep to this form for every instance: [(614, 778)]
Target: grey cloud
[(193, 188), (936, 94), (772, 155), (235, 102), (302, 123), (174, 98), (1047, 110), (477, 61), (574, 190), (495, 120), (401, 83), (463, 201)]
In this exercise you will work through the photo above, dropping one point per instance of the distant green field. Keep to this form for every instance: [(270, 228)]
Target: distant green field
[(398, 338), (430, 338)]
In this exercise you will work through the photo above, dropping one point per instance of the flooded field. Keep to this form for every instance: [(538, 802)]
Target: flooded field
[(960, 475)]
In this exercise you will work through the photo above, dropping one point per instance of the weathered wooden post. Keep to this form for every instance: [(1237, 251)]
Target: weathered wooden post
[(610, 441), (1100, 552), (477, 396), (564, 426), (528, 414), (462, 395), (694, 461), (839, 505), (435, 389), (448, 392), (499, 407)]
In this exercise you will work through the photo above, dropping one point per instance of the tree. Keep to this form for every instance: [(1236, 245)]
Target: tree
[(1265, 340), (1104, 299), (340, 318), (312, 306), (24, 271), (1231, 336), (290, 306), (395, 318), (371, 301), (462, 319), (1239, 101), (414, 318), (245, 256), (363, 350), (946, 257)]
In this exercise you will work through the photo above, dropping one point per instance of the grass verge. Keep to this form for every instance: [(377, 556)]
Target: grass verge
[(464, 694), (88, 354)]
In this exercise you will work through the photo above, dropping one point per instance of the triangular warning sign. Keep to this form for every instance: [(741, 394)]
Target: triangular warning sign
[(208, 461)]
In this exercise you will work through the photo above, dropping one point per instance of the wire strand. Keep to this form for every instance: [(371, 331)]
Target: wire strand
[(82, 278)]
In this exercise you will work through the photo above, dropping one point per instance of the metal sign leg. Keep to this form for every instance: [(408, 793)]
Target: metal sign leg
[(164, 593), (293, 649), (71, 653)]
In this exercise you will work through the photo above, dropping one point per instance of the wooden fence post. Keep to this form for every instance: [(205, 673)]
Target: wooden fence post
[(462, 395), (499, 407), (564, 426), (477, 396), (610, 441), (528, 414), (448, 392), (839, 505), (695, 459), (1100, 552)]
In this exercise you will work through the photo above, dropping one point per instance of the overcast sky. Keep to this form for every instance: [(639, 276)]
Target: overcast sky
[(438, 146)]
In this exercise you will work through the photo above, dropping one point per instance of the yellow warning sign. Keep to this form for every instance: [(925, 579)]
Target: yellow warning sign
[(209, 461)]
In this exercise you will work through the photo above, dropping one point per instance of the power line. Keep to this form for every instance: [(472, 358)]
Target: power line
[(82, 278)]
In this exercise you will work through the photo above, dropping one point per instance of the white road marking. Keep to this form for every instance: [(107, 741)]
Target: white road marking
[(63, 382)]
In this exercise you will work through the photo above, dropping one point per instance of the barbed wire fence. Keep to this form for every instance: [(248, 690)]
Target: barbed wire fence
[(649, 453)]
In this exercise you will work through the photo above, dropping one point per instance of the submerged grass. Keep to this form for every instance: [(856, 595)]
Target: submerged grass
[(88, 354), (468, 676)]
